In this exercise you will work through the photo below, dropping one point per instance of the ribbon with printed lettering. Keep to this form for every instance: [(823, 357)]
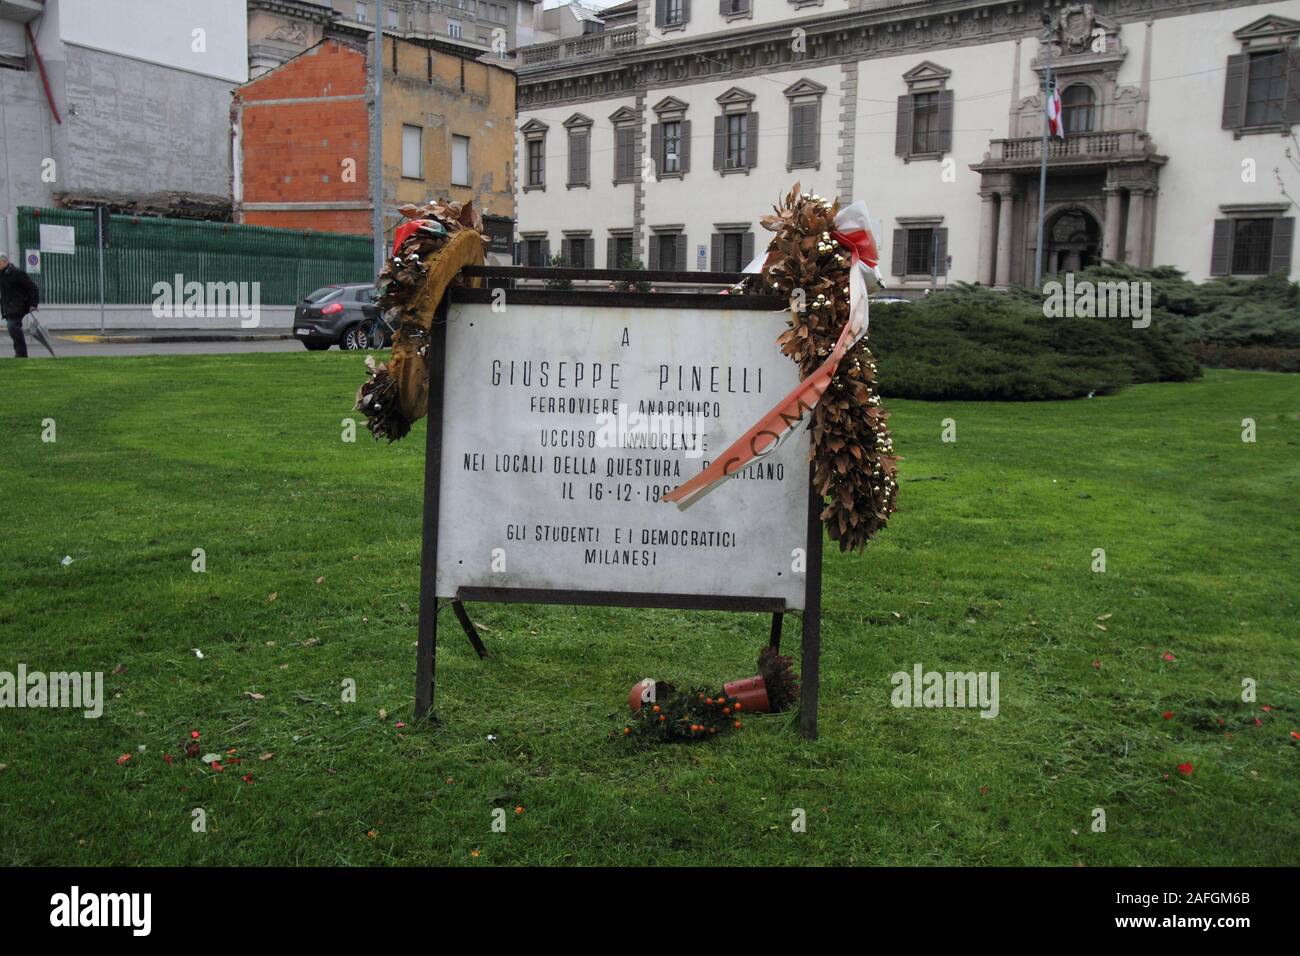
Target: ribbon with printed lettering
[(852, 231)]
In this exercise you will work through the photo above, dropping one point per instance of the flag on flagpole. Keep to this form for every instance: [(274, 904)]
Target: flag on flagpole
[(853, 231), (1055, 126)]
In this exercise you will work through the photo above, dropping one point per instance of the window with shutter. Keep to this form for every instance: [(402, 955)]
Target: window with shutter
[(1283, 242), (579, 157), (1221, 248), (898, 253), (1261, 91), (923, 127), (684, 147), (803, 135), (903, 127)]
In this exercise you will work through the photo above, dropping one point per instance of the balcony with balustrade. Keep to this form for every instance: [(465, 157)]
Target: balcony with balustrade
[(1081, 150), (575, 50)]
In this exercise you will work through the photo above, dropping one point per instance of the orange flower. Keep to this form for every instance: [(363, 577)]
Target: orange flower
[(655, 708), (737, 725), (709, 701), (737, 705), (626, 731), (726, 710), (519, 810)]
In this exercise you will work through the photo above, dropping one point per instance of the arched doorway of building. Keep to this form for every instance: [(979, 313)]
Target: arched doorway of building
[(1073, 242)]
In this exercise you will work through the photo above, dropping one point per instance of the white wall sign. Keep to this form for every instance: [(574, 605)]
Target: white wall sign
[(563, 426), (60, 239), (32, 261), (702, 257)]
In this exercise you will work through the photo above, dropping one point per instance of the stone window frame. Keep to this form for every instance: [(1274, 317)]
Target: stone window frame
[(717, 244), (731, 16), (625, 119), (1268, 34), (680, 248), (925, 77), (671, 110), (1225, 233), (534, 131), (805, 92), (568, 237), (535, 235), (904, 225), (577, 125), (659, 14), (737, 102), (801, 4), (611, 245), (1090, 82)]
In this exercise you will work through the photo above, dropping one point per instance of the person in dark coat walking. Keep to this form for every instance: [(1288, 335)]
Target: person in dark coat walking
[(18, 296)]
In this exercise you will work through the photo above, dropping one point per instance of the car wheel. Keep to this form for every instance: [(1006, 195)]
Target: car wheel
[(354, 339), (316, 346)]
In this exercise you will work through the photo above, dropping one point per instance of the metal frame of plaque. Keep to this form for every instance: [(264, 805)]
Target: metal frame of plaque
[(498, 276)]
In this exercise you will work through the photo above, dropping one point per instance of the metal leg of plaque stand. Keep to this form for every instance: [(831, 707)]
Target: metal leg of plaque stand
[(812, 618), (775, 640), (427, 644), (458, 608)]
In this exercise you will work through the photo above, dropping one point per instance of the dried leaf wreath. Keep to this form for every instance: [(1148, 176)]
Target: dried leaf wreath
[(437, 240), (855, 467)]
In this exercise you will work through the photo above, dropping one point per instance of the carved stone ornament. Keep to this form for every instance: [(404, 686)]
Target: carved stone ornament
[(1075, 25)]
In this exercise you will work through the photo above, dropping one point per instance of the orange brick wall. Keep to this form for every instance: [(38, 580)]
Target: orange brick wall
[(350, 221), (295, 151)]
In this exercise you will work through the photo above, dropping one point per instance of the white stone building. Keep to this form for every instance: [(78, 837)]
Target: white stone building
[(666, 136)]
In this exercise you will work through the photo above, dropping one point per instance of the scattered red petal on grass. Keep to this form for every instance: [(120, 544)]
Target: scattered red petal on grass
[(247, 778), (1258, 722), (1296, 734), (984, 791), (123, 759), (1185, 769), (1097, 665), (1266, 708), (519, 809), (232, 750), (400, 725), (216, 765), (194, 734), (1168, 715), (167, 758), (372, 834), (1167, 656)]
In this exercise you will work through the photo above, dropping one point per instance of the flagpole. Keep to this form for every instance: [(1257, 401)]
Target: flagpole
[(1042, 168)]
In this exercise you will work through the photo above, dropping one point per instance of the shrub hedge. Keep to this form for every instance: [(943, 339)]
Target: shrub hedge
[(970, 342)]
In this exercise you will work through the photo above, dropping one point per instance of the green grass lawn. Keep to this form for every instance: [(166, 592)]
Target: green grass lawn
[(312, 549)]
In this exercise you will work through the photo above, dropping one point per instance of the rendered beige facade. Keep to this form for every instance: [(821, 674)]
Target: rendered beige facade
[(1177, 114)]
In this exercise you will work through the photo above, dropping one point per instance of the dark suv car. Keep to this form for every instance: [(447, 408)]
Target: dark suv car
[(339, 315)]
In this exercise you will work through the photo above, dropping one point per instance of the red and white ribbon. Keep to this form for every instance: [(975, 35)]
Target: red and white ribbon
[(853, 231)]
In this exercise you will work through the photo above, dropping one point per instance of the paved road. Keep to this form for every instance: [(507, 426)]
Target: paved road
[(68, 347)]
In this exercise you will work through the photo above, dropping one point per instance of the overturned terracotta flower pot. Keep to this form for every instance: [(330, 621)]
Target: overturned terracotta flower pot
[(647, 690), (751, 692)]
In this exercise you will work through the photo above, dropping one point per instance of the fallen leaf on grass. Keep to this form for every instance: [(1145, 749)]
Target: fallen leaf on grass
[(247, 778), (1104, 617), (198, 653), (266, 756), (321, 579), (272, 596), (310, 642), (383, 713), (1167, 656), (123, 759), (1168, 715), (253, 695), (1100, 627), (119, 669)]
